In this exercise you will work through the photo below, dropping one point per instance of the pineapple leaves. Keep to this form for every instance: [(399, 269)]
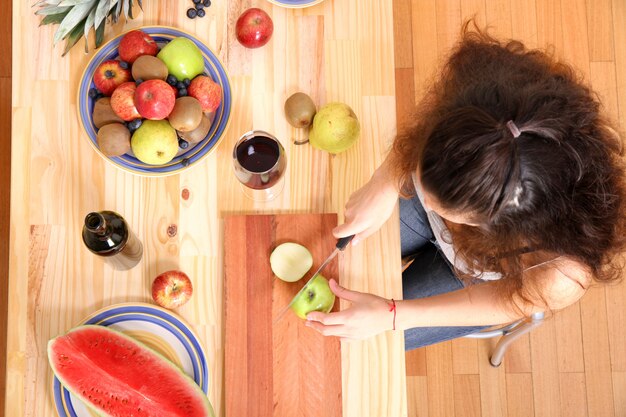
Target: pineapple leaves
[(100, 35), (53, 19), (64, 3), (72, 20), (48, 10), (88, 26), (116, 13), (101, 12), (73, 37), (76, 18)]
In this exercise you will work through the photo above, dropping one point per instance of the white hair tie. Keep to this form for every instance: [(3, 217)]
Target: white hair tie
[(513, 128)]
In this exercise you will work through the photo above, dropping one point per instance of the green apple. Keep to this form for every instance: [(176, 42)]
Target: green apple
[(335, 128), (155, 142), (315, 296), (182, 58), (290, 261)]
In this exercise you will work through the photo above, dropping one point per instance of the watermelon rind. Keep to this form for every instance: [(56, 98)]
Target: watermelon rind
[(55, 345)]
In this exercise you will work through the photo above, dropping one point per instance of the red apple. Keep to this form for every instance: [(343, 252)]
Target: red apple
[(172, 289), (123, 102), (254, 28), (109, 75), (154, 99), (207, 92), (136, 43)]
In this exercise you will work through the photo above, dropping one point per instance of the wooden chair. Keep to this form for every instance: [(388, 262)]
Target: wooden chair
[(508, 334)]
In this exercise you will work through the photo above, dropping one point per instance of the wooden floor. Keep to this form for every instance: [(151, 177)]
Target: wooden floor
[(5, 182), (575, 364)]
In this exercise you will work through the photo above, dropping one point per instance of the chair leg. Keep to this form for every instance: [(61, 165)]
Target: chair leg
[(509, 337)]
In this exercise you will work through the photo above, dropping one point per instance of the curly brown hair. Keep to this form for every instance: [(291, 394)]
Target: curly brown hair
[(558, 188)]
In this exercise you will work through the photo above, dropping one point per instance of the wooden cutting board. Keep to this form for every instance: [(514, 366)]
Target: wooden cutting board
[(285, 368)]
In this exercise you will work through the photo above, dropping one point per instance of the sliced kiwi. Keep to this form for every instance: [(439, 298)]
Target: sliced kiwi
[(114, 139), (186, 115), (299, 110), (103, 114), (148, 67)]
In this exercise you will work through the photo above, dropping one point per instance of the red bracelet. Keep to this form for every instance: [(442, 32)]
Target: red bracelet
[(392, 307)]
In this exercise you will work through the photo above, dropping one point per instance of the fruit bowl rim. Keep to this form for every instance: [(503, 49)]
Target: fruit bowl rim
[(154, 174), (295, 6)]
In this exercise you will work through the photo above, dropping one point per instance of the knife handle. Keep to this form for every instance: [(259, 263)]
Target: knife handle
[(343, 242)]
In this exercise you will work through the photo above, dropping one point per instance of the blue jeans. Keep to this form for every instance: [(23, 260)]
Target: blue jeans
[(429, 274)]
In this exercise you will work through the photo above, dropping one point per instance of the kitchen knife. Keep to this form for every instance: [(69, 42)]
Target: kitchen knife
[(340, 246)]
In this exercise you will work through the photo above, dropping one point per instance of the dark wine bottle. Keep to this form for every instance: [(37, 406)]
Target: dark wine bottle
[(107, 234)]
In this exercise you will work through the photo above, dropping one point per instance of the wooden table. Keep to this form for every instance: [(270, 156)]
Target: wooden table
[(339, 50)]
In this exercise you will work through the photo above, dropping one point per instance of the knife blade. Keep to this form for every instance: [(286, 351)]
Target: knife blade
[(342, 243)]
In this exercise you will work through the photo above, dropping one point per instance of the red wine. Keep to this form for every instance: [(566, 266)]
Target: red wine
[(259, 162), (258, 154)]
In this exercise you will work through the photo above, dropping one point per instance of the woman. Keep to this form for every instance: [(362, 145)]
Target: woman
[(514, 204)]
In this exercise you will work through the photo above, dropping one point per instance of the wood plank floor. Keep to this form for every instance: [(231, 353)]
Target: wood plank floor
[(575, 364), (5, 183)]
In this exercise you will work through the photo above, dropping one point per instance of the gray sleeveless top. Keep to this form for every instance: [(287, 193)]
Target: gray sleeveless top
[(442, 236)]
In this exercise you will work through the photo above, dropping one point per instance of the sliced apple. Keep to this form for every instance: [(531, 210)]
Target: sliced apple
[(290, 261)]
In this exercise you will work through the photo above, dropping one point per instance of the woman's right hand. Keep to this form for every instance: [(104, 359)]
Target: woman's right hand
[(369, 207)]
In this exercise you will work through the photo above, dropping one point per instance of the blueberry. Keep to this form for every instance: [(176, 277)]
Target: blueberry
[(171, 80), (93, 93), (201, 12), (191, 13), (185, 162), (183, 144), (196, 1), (187, 82), (207, 3), (180, 85), (182, 92), (134, 124), (99, 96), (123, 64), (109, 74), (138, 81)]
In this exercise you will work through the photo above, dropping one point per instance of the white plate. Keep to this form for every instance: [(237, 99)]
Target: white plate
[(155, 327)]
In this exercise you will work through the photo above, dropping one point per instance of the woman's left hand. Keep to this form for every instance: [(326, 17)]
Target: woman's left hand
[(368, 316)]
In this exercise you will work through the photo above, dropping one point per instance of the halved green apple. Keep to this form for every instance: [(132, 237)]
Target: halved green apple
[(290, 261)]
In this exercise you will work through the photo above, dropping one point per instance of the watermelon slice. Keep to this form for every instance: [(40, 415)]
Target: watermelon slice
[(118, 376)]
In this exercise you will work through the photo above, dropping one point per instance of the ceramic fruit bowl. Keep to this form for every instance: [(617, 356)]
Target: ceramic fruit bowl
[(185, 158), (295, 4)]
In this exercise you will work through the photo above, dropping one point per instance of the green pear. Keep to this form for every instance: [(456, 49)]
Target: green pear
[(315, 296), (335, 128), (182, 58), (155, 142)]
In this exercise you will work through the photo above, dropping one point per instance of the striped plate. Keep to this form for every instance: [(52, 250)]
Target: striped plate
[(295, 4), (184, 159), (155, 327)]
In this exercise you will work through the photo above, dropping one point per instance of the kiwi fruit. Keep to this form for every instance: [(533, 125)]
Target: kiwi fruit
[(103, 114), (199, 133), (186, 114), (148, 67), (114, 139), (299, 110)]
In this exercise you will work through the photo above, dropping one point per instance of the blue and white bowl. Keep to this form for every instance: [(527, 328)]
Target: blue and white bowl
[(190, 156), (295, 4)]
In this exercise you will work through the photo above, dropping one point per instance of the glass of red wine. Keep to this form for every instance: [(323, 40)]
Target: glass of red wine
[(259, 162)]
